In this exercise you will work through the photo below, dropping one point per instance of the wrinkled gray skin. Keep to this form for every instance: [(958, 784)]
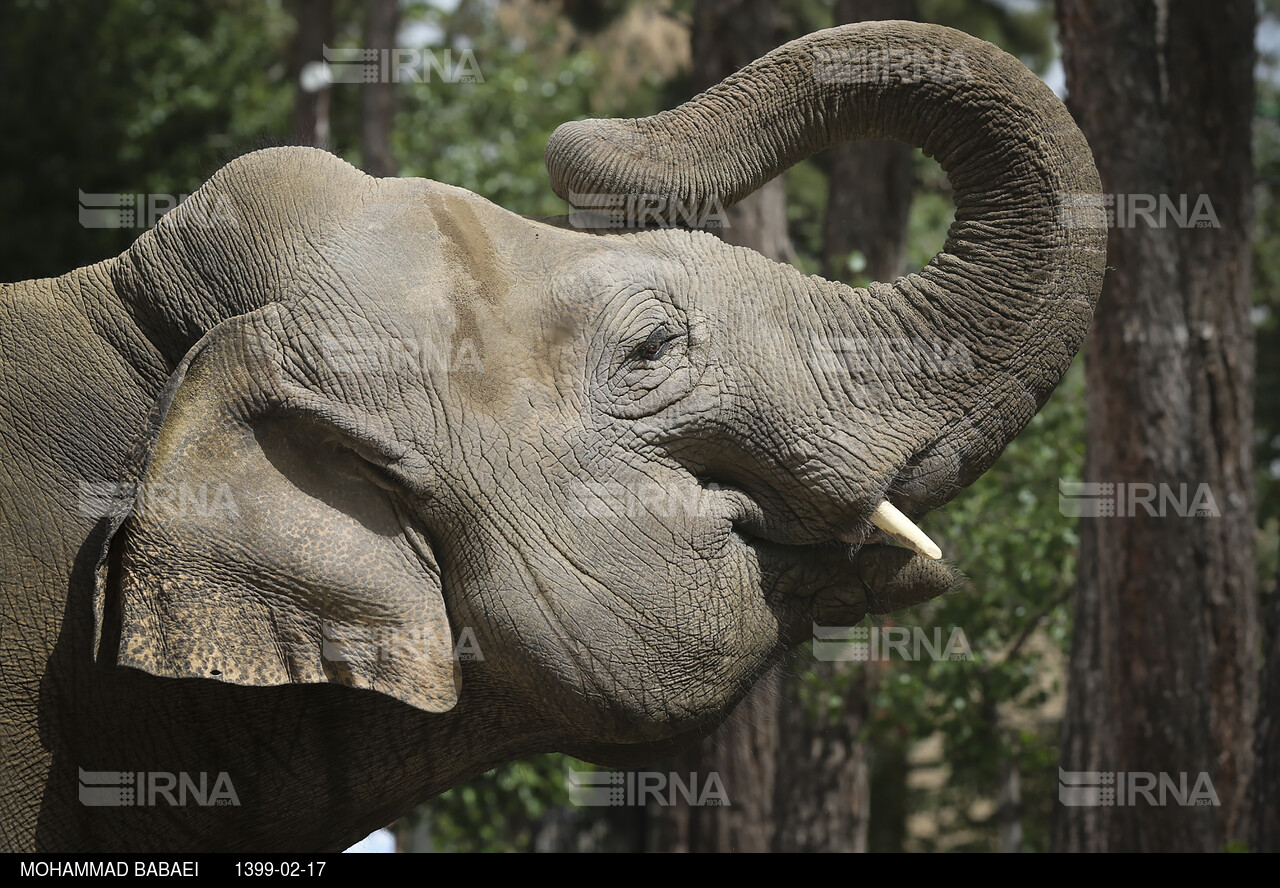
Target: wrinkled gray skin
[(621, 462)]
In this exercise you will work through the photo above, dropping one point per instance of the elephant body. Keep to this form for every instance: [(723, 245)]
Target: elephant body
[(360, 487)]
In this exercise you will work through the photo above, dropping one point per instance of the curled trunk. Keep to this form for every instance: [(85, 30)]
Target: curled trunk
[(998, 315)]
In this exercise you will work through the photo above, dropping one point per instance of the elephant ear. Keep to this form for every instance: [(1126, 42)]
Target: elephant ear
[(269, 542)]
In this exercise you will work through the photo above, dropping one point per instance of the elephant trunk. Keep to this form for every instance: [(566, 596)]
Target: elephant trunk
[(957, 358)]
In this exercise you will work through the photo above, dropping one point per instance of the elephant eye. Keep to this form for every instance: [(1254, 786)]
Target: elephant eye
[(655, 346)]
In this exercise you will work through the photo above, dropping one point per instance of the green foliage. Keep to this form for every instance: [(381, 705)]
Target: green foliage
[(489, 137), (1006, 533), (1024, 31), (500, 811), (932, 213), (132, 96), (806, 210)]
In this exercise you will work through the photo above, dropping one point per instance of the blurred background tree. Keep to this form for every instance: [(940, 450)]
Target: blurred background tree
[(1163, 668), (138, 97), (133, 97)]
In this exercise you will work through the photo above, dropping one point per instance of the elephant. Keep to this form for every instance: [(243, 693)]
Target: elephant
[(332, 492)]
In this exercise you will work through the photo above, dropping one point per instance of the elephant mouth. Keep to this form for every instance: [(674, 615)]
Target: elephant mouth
[(886, 525), (836, 577)]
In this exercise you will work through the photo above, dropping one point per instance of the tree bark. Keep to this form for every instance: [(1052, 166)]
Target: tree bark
[(378, 107), (728, 34), (823, 790), (310, 119), (871, 181), (1265, 824), (1008, 795), (1162, 670), (743, 754)]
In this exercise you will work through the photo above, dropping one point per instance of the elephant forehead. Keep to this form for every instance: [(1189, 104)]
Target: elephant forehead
[(503, 311)]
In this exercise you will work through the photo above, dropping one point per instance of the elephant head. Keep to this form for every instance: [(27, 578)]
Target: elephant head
[(632, 468), (619, 472)]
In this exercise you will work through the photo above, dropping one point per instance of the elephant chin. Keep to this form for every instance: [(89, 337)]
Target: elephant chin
[(893, 578), (885, 578), (878, 579)]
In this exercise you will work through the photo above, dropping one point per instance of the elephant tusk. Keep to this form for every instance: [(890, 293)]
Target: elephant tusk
[(899, 526)]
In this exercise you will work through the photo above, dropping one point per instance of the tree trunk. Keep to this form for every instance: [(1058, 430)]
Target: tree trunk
[(310, 120), (728, 34), (1162, 670), (1265, 825), (378, 107), (742, 754), (890, 803), (871, 182), (823, 789), (1008, 817)]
